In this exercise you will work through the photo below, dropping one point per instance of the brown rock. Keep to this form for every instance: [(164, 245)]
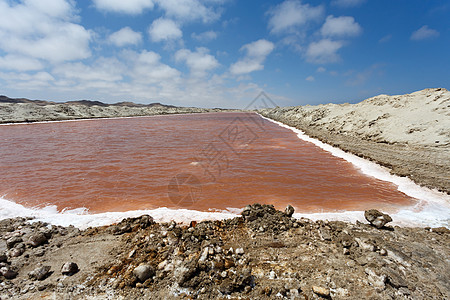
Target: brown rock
[(229, 263), (289, 211), (37, 239), (377, 218), (40, 273), (69, 268), (321, 291)]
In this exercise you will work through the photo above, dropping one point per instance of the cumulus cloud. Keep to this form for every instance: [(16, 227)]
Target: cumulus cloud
[(348, 3), (199, 62), (340, 27), (204, 36), (164, 30), (310, 78), (103, 69), (25, 81), (292, 14), (323, 51), (424, 33), (189, 10), (125, 36), (43, 30), (256, 54), (20, 63), (124, 6), (148, 69), (53, 8)]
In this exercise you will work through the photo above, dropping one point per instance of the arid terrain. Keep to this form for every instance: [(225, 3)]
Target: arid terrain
[(24, 110), (264, 253)]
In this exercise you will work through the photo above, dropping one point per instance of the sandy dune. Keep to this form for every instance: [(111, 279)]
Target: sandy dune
[(421, 118)]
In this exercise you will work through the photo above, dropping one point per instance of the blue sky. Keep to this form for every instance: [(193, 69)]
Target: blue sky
[(222, 53)]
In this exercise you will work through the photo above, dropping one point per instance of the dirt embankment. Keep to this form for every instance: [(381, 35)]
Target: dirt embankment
[(264, 254), (409, 134)]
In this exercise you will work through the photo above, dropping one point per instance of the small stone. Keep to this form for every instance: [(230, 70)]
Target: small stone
[(289, 211), (325, 234), (267, 290), (40, 273), (144, 272), (378, 281), (69, 268), (440, 230), (346, 251), (8, 273), (16, 252), (377, 218), (239, 251), (229, 263), (204, 255), (162, 265), (37, 239), (3, 258), (395, 279), (131, 254), (383, 252), (223, 274), (346, 240), (321, 291), (11, 242)]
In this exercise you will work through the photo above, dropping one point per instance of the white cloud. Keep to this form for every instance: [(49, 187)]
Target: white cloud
[(291, 14), (254, 59), (25, 81), (323, 51), (125, 36), (34, 31), (310, 78), (204, 36), (189, 10), (424, 33), (164, 30), (101, 70), (20, 63), (124, 6), (148, 69), (53, 8), (199, 62), (320, 70), (340, 27), (385, 38), (348, 3)]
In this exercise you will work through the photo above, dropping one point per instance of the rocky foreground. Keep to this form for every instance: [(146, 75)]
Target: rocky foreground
[(409, 134), (263, 254)]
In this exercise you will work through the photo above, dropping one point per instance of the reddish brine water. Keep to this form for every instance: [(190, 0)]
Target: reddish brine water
[(200, 161)]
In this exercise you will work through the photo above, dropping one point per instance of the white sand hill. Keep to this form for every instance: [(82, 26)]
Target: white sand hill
[(421, 118)]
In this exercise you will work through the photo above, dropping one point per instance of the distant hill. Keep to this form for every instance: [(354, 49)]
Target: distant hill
[(5, 99)]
